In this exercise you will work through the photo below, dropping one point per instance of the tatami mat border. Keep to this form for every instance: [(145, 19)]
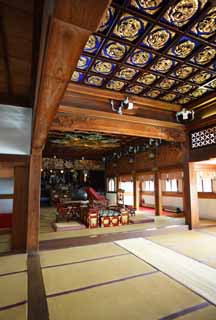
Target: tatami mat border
[(101, 284), (10, 306), (13, 272), (85, 261), (186, 311)]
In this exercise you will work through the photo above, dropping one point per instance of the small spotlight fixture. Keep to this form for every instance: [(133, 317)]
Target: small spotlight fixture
[(185, 115), (125, 104)]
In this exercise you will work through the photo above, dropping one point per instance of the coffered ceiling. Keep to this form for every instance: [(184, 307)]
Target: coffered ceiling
[(162, 50)]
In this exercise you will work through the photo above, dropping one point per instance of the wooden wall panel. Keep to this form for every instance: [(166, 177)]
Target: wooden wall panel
[(169, 157), (19, 221)]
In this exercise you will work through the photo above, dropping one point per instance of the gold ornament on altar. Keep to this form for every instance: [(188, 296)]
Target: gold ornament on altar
[(126, 73), (115, 85), (163, 65), (147, 78), (158, 37), (129, 27)]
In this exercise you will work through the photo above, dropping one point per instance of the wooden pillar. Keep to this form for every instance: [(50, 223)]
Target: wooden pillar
[(136, 192), (20, 208), (117, 187), (34, 200), (191, 202), (158, 193)]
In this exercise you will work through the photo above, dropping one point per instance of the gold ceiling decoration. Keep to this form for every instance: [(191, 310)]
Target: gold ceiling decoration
[(115, 85), (182, 11), (147, 78), (153, 48), (126, 73), (166, 83), (157, 38)]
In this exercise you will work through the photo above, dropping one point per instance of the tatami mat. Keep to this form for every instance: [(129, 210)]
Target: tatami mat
[(13, 263), (71, 277), (195, 244), (196, 276), (16, 313), (13, 289), (75, 254), (145, 298)]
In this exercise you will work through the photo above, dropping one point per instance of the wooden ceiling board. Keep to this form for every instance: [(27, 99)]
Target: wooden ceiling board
[(27, 6), (19, 48), (17, 23)]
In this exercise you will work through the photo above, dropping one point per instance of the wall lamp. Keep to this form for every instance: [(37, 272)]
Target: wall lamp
[(125, 104)]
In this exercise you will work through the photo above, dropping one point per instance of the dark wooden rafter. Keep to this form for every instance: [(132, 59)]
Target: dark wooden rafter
[(3, 41), (37, 27)]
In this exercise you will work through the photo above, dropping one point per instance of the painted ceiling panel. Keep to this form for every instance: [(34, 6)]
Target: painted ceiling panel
[(160, 49)]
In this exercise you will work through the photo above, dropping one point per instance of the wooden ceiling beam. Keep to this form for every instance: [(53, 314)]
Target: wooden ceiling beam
[(95, 121), (71, 110), (102, 93), (67, 35)]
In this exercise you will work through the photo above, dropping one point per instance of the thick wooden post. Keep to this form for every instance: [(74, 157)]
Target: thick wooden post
[(191, 202), (34, 200), (158, 194), (70, 26), (136, 192), (20, 208)]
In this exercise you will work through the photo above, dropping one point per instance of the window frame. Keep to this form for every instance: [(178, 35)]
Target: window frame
[(109, 180)]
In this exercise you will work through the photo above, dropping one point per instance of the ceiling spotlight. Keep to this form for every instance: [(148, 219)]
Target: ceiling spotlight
[(125, 104), (185, 115)]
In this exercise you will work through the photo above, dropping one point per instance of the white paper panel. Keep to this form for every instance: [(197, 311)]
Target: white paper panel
[(15, 130)]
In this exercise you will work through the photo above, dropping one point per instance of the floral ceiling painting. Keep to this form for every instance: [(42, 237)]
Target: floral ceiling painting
[(82, 140), (153, 48)]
